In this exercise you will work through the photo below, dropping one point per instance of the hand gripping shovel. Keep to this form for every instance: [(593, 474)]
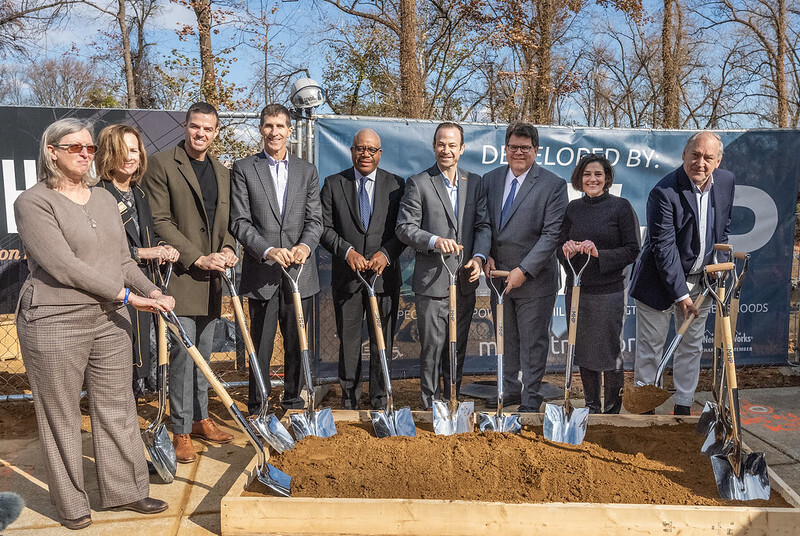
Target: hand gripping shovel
[(318, 423), (156, 440), (270, 476), (568, 424), (390, 422), (643, 397), (740, 476), (267, 425), (453, 417), (499, 422)]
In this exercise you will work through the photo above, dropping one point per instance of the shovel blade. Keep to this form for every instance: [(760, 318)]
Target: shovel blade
[(275, 479), (707, 418), (638, 399), (397, 423), (504, 423), (751, 483), (460, 421), (718, 439), (161, 452), (273, 432), (318, 423), (561, 427)]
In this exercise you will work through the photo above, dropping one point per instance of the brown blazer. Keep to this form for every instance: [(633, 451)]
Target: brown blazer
[(179, 218)]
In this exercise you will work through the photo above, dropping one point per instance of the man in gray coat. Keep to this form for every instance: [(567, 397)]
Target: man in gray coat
[(443, 207), (526, 205), (277, 217), (189, 191)]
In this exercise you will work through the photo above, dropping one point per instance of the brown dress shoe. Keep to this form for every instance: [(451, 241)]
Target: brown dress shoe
[(206, 429), (78, 523), (184, 449), (148, 505)]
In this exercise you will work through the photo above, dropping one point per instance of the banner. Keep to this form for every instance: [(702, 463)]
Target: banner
[(766, 169)]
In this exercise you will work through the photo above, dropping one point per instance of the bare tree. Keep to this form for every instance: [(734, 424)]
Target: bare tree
[(23, 21), (67, 82)]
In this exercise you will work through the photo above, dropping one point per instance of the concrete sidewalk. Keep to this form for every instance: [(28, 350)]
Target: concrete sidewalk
[(771, 419)]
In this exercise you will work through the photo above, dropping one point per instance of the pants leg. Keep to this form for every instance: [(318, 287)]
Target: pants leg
[(652, 326), (121, 467), (533, 328), (613, 381), (293, 380), (263, 326), (188, 388), (686, 363), (349, 310), (432, 325), (465, 307), (591, 380), (388, 304)]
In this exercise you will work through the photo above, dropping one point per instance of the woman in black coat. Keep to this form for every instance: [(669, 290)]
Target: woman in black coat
[(604, 227), (121, 161)]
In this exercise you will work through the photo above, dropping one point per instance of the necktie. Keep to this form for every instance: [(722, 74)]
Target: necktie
[(363, 202), (509, 201)]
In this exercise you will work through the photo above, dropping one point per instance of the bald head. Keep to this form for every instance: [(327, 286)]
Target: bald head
[(366, 151)]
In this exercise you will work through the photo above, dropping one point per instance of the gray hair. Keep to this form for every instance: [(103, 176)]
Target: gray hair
[(48, 170), (714, 135)]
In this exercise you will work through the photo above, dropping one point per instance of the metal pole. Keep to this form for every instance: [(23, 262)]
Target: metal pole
[(310, 136)]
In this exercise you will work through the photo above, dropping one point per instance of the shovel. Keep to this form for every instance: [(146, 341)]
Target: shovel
[(317, 423), (390, 422), (740, 476), (641, 398), (156, 440), (568, 424), (499, 422), (270, 476), (267, 425), (453, 417)]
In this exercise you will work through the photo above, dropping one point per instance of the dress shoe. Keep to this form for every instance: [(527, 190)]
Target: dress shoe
[(297, 404), (148, 505), (508, 400), (682, 410), (78, 523), (526, 409), (184, 449), (208, 430)]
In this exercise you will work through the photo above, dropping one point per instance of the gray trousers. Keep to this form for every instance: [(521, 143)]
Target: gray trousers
[(652, 327), (63, 346), (526, 324), (188, 388)]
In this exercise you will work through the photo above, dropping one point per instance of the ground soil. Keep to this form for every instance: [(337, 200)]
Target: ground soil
[(648, 465)]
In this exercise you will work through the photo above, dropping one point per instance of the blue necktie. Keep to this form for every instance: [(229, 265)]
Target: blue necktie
[(509, 201), (363, 202)]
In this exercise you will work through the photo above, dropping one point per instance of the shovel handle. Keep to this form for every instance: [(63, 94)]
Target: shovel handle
[(239, 313), (687, 321), (163, 355), (720, 267), (723, 247), (452, 327), (499, 273), (500, 335), (301, 323), (730, 372), (376, 323), (573, 316)]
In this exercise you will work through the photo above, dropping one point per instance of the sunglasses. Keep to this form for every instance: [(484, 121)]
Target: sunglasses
[(75, 148)]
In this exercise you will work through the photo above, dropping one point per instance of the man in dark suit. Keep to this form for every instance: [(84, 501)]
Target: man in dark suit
[(189, 191), (443, 207), (276, 216), (359, 215), (688, 212), (526, 205)]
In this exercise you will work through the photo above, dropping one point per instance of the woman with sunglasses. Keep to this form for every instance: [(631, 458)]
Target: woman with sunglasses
[(74, 328), (120, 162)]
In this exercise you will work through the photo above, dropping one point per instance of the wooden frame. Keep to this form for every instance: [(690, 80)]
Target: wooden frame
[(287, 516)]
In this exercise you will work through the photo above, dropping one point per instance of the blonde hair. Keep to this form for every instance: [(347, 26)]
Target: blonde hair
[(52, 135), (112, 152)]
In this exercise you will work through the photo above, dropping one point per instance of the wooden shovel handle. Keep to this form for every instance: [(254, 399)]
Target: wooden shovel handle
[(723, 247), (720, 267), (685, 325), (452, 331), (301, 323), (163, 355), (376, 322), (499, 273), (239, 313)]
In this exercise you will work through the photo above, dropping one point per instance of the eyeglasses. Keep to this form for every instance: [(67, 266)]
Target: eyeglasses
[(524, 149), (75, 148), (361, 149)]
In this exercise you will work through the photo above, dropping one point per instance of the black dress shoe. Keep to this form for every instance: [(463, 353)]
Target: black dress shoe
[(148, 505), (508, 400), (682, 410), (78, 523), (527, 409)]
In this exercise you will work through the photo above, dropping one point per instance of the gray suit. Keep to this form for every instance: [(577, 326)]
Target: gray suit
[(258, 224), (528, 240), (426, 211)]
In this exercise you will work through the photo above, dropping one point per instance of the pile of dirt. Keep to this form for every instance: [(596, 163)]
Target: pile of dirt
[(648, 465)]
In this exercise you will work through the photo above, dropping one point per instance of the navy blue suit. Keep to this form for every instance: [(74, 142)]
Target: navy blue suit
[(672, 243)]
